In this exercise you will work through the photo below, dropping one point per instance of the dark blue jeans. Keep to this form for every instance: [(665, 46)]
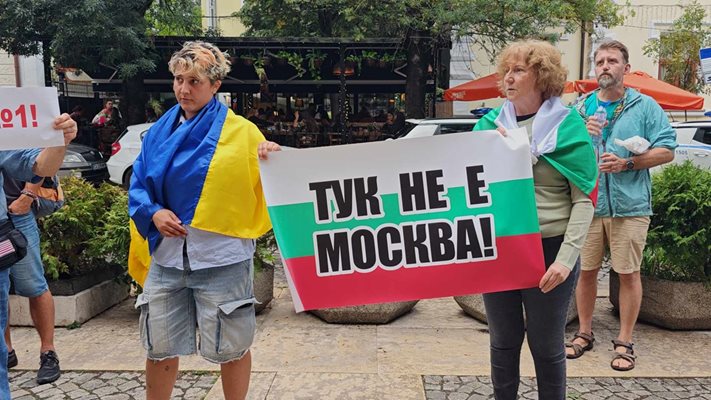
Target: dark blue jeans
[(545, 328)]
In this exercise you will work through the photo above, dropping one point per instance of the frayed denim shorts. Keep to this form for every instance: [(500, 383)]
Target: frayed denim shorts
[(218, 301)]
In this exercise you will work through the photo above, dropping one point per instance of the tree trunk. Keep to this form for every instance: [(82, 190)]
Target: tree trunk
[(134, 100), (418, 57)]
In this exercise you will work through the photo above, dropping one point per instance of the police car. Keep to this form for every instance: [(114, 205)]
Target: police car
[(694, 140)]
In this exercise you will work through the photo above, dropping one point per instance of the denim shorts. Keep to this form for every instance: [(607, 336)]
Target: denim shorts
[(218, 301), (27, 275)]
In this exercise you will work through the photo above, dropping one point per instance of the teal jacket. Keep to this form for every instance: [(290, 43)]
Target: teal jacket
[(629, 193)]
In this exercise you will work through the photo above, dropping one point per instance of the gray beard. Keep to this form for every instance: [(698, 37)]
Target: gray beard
[(607, 81)]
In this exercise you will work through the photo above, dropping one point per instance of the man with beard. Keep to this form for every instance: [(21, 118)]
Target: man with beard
[(624, 197)]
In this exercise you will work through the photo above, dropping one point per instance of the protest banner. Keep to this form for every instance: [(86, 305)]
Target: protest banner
[(26, 118), (405, 219)]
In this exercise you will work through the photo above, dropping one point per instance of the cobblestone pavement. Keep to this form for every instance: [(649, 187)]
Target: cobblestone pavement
[(479, 388), (104, 385)]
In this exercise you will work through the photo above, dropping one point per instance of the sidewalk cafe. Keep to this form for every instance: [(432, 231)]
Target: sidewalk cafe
[(301, 92)]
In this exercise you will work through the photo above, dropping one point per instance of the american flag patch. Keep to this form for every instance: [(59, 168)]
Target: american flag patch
[(6, 248)]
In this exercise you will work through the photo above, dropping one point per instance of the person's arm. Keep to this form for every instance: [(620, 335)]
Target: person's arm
[(50, 159), (143, 208), (651, 158), (581, 215), (23, 204)]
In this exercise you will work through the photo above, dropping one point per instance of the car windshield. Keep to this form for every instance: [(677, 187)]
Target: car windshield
[(125, 131), (404, 131)]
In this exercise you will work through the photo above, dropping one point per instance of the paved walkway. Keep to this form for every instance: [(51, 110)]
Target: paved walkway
[(434, 352)]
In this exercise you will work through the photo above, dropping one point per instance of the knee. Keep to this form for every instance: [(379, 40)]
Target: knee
[(630, 280), (589, 276)]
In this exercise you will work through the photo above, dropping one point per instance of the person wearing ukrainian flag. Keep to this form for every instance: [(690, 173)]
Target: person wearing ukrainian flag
[(196, 207), (532, 78)]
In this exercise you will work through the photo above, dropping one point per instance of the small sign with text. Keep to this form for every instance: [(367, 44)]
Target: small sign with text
[(26, 118)]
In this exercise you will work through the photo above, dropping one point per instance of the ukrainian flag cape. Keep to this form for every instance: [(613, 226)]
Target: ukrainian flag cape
[(558, 135), (206, 171)]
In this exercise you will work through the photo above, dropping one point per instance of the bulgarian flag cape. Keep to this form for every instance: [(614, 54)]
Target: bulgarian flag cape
[(205, 170), (560, 136)]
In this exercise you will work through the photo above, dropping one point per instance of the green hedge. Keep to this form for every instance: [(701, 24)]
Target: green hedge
[(679, 240), (90, 232)]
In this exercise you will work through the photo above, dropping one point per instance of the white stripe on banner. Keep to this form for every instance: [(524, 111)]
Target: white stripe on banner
[(286, 174)]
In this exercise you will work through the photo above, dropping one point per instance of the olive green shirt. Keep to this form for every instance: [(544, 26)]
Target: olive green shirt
[(563, 209)]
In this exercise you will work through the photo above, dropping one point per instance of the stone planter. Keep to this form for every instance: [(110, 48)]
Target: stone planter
[(366, 314), (76, 299), (672, 305), (263, 287), (473, 305)]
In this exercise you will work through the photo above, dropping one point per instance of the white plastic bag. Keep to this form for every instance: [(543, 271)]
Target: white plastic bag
[(635, 144)]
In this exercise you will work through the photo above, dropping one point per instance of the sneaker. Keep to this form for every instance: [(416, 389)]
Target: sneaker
[(11, 359), (49, 368)]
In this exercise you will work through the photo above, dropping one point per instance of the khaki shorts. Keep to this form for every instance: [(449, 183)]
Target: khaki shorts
[(624, 236)]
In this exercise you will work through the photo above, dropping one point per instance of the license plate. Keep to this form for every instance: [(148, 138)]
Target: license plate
[(98, 166)]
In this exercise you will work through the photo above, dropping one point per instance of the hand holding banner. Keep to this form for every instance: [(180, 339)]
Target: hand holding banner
[(26, 118), (405, 219)]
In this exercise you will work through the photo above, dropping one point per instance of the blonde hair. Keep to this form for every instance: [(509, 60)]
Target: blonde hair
[(543, 58), (201, 58)]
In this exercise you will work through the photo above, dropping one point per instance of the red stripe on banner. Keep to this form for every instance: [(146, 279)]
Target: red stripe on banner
[(519, 265)]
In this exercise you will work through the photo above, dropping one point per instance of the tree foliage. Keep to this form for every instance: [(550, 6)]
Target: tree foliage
[(89, 33), (489, 24), (678, 49)]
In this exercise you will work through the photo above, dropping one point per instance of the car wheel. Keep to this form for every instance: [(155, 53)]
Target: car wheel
[(127, 178)]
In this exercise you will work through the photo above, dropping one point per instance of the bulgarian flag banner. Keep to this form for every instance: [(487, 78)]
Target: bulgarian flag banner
[(405, 219)]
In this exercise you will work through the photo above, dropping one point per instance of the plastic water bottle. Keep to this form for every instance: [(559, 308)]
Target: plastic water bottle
[(601, 116)]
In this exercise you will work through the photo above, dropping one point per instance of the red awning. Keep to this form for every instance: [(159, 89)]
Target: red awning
[(478, 89), (484, 88), (668, 96)]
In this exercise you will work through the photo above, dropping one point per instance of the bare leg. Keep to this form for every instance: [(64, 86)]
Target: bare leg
[(235, 377), (160, 378), (630, 301), (585, 295), (8, 338), (42, 313)]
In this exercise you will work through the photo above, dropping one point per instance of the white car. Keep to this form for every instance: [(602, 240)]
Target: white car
[(694, 140), (437, 126), (124, 152)]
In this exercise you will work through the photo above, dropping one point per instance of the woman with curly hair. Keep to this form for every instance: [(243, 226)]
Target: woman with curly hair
[(565, 181)]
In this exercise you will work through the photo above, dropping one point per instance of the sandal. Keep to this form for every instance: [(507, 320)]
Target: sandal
[(628, 355), (579, 350)]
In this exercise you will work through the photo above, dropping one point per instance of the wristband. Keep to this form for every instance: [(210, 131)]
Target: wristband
[(29, 193)]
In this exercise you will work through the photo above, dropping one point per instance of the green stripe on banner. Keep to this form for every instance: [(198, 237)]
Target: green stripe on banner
[(294, 224)]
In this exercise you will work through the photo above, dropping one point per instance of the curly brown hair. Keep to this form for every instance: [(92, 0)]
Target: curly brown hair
[(543, 58)]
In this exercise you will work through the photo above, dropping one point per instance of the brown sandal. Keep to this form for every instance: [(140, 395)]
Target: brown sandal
[(579, 350), (628, 355)]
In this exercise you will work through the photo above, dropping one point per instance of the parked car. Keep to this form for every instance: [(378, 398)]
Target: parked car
[(437, 126), (84, 162), (124, 152), (694, 140)]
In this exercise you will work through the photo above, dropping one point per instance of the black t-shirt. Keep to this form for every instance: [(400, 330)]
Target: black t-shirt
[(12, 188)]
